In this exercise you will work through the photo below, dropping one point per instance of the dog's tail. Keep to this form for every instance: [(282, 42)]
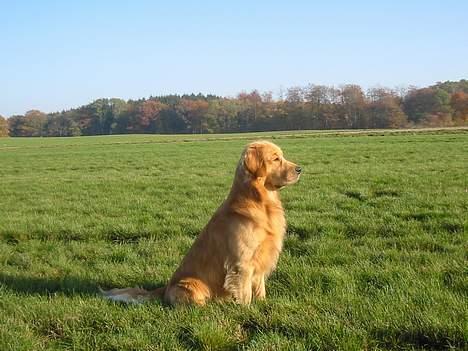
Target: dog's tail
[(133, 295)]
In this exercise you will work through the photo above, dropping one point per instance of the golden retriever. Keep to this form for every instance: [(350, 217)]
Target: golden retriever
[(240, 245)]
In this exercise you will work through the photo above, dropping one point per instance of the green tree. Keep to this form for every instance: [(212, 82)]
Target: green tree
[(14, 125), (101, 115), (62, 124), (422, 105)]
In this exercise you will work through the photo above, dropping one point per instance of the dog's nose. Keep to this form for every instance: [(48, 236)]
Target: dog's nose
[(298, 169)]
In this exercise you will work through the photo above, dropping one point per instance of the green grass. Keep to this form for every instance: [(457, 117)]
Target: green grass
[(375, 255)]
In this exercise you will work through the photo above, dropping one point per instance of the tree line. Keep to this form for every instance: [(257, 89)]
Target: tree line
[(310, 107)]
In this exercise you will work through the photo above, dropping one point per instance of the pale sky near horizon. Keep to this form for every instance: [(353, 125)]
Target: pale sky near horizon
[(57, 55)]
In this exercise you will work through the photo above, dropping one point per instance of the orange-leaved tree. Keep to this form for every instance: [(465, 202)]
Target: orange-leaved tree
[(459, 103), (3, 127)]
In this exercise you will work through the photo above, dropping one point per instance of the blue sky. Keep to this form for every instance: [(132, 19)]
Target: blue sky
[(60, 54)]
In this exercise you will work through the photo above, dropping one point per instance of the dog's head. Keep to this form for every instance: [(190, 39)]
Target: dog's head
[(265, 161)]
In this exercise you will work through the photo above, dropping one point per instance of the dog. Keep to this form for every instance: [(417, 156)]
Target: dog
[(239, 247)]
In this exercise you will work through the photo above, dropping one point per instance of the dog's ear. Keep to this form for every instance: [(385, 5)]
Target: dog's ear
[(253, 162)]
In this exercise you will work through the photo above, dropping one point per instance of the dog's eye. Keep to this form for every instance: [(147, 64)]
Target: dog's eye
[(276, 159)]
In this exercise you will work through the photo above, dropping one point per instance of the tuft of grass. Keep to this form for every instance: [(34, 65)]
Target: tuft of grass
[(374, 256)]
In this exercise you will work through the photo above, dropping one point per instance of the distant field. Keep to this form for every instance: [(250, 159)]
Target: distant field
[(375, 255)]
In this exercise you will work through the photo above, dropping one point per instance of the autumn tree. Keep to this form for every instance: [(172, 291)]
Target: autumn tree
[(33, 124), (353, 105), (3, 127), (250, 104), (265, 113), (148, 115), (459, 104), (384, 109), (310, 107), (193, 112), (318, 100)]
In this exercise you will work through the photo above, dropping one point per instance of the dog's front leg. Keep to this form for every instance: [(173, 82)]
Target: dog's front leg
[(246, 286), (239, 283), (258, 286)]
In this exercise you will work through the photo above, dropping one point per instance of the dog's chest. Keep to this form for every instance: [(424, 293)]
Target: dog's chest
[(270, 243), (276, 221)]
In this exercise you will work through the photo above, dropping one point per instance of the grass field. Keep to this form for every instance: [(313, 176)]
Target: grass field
[(375, 255)]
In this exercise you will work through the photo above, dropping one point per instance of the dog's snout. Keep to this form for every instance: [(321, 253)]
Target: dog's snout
[(298, 169)]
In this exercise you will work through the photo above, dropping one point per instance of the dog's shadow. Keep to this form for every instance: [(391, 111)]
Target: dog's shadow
[(66, 285)]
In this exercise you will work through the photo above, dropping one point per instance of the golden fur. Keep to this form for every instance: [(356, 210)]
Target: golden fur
[(240, 245)]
